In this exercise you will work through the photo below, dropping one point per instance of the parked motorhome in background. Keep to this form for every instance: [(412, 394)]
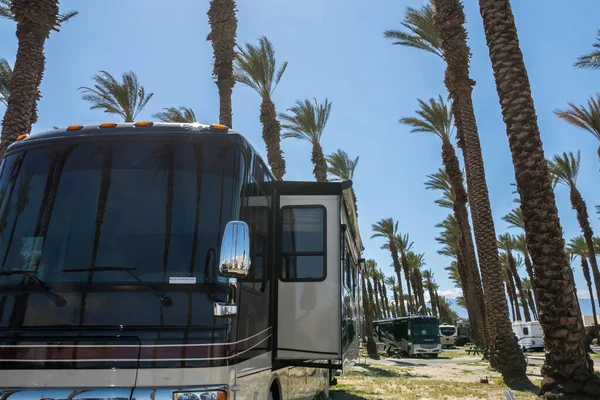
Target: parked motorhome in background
[(448, 335), (529, 335), (409, 336), (163, 261)]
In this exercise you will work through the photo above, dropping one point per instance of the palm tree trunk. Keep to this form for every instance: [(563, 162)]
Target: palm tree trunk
[(320, 162), (515, 297), (397, 308), (510, 299), (528, 265), (505, 354), (519, 286), (471, 301), (437, 303), (406, 269), (388, 312), (371, 297), (32, 31), (368, 313), (223, 25), (394, 252), (452, 167), (588, 281), (378, 306), (580, 207), (532, 304), (419, 282), (271, 134), (568, 370), (432, 298)]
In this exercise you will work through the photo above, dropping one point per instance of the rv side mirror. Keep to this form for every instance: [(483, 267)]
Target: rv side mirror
[(234, 259)]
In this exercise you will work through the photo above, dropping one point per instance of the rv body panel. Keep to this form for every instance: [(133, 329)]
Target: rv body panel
[(529, 335)]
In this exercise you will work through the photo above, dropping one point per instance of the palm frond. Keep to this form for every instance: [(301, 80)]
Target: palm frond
[(585, 118), (384, 228), (5, 79), (577, 246), (66, 16), (256, 67), (341, 165), (441, 181), (592, 60), (5, 9), (432, 117), (176, 114), (506, 242), (515, 218), (126, 99), (306, 120), (565, 168), (420, 33)]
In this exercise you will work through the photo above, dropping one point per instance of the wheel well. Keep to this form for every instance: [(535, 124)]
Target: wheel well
[(276, 389)]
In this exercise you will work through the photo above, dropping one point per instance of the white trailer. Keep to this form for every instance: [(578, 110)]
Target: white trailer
[(529, 335)]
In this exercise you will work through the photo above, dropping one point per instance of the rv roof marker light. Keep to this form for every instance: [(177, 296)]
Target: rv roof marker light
[(108, 125), (21, 137), (141, 124), (71, 128), (218, 127)]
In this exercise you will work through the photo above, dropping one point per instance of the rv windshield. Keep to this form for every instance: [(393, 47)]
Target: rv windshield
[(422, 329), (155, 207), (447, 330)]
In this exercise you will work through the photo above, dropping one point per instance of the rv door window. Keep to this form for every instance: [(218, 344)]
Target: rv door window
[(303, 243), (525, 331)]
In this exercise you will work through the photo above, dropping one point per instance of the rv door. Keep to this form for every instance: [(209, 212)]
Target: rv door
[(308, 292)]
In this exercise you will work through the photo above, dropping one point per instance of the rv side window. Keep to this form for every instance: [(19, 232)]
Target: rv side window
[(525, 331), (303, 243)]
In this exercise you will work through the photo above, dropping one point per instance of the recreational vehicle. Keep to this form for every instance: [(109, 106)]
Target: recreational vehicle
[(529, 335), (410, 336), (448, 335), (163, 261)]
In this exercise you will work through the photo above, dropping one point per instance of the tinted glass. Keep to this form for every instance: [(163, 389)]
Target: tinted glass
[(425, 328), (303, 243), (157, 207), (446, 331)]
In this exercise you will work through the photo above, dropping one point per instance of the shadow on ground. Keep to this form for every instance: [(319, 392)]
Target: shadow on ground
[(342, 395), (372, 370)]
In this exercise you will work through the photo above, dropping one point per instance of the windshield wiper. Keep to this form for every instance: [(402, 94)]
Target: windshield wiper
[(32, 277), (165, 300)]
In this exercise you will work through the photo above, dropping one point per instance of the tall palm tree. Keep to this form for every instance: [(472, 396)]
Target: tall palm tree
[(383, 288), (340, 165), (176, 114), (369, 268), (416, 261), (592, 60), (223, 31), (515, 220), (506, 242), (435, 118), (368, 314), (5, 77), (505, 354), (126, 99), (428, 278), (388, 229), (577, 247), (404, 245), (565, 170), (307, 121), (586, 118), (528, 287), (35, 20), (391, 282), (567, 370), (255, 66)]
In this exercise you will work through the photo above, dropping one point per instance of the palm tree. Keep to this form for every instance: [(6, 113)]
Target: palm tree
[(369, 268), (506, 242), (421, 34), (578, 247), (505, 354), (5, 77), (125, 99), (35, 20), (307, 121), (342, 167), (585, 118), (176, 114), (368, 314), (256, 67), (404, 245), (428, 278), (416, 261), (435, 117), (567, 370), (391, 282), (223, 28), (387, 229), (565, 170), (383, 288), (515, 220), (528, 287), (592, 60)]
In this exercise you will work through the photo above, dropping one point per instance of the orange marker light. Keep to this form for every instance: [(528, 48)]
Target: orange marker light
[(21, 137), (222, 396), (108, 125), (74, 127), (144, 123), (218, 127)]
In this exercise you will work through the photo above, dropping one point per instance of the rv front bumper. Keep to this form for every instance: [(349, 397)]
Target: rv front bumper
[(427, 349), (201, 393)]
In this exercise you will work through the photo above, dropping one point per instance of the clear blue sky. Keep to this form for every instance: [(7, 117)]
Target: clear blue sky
[(336, 49)]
